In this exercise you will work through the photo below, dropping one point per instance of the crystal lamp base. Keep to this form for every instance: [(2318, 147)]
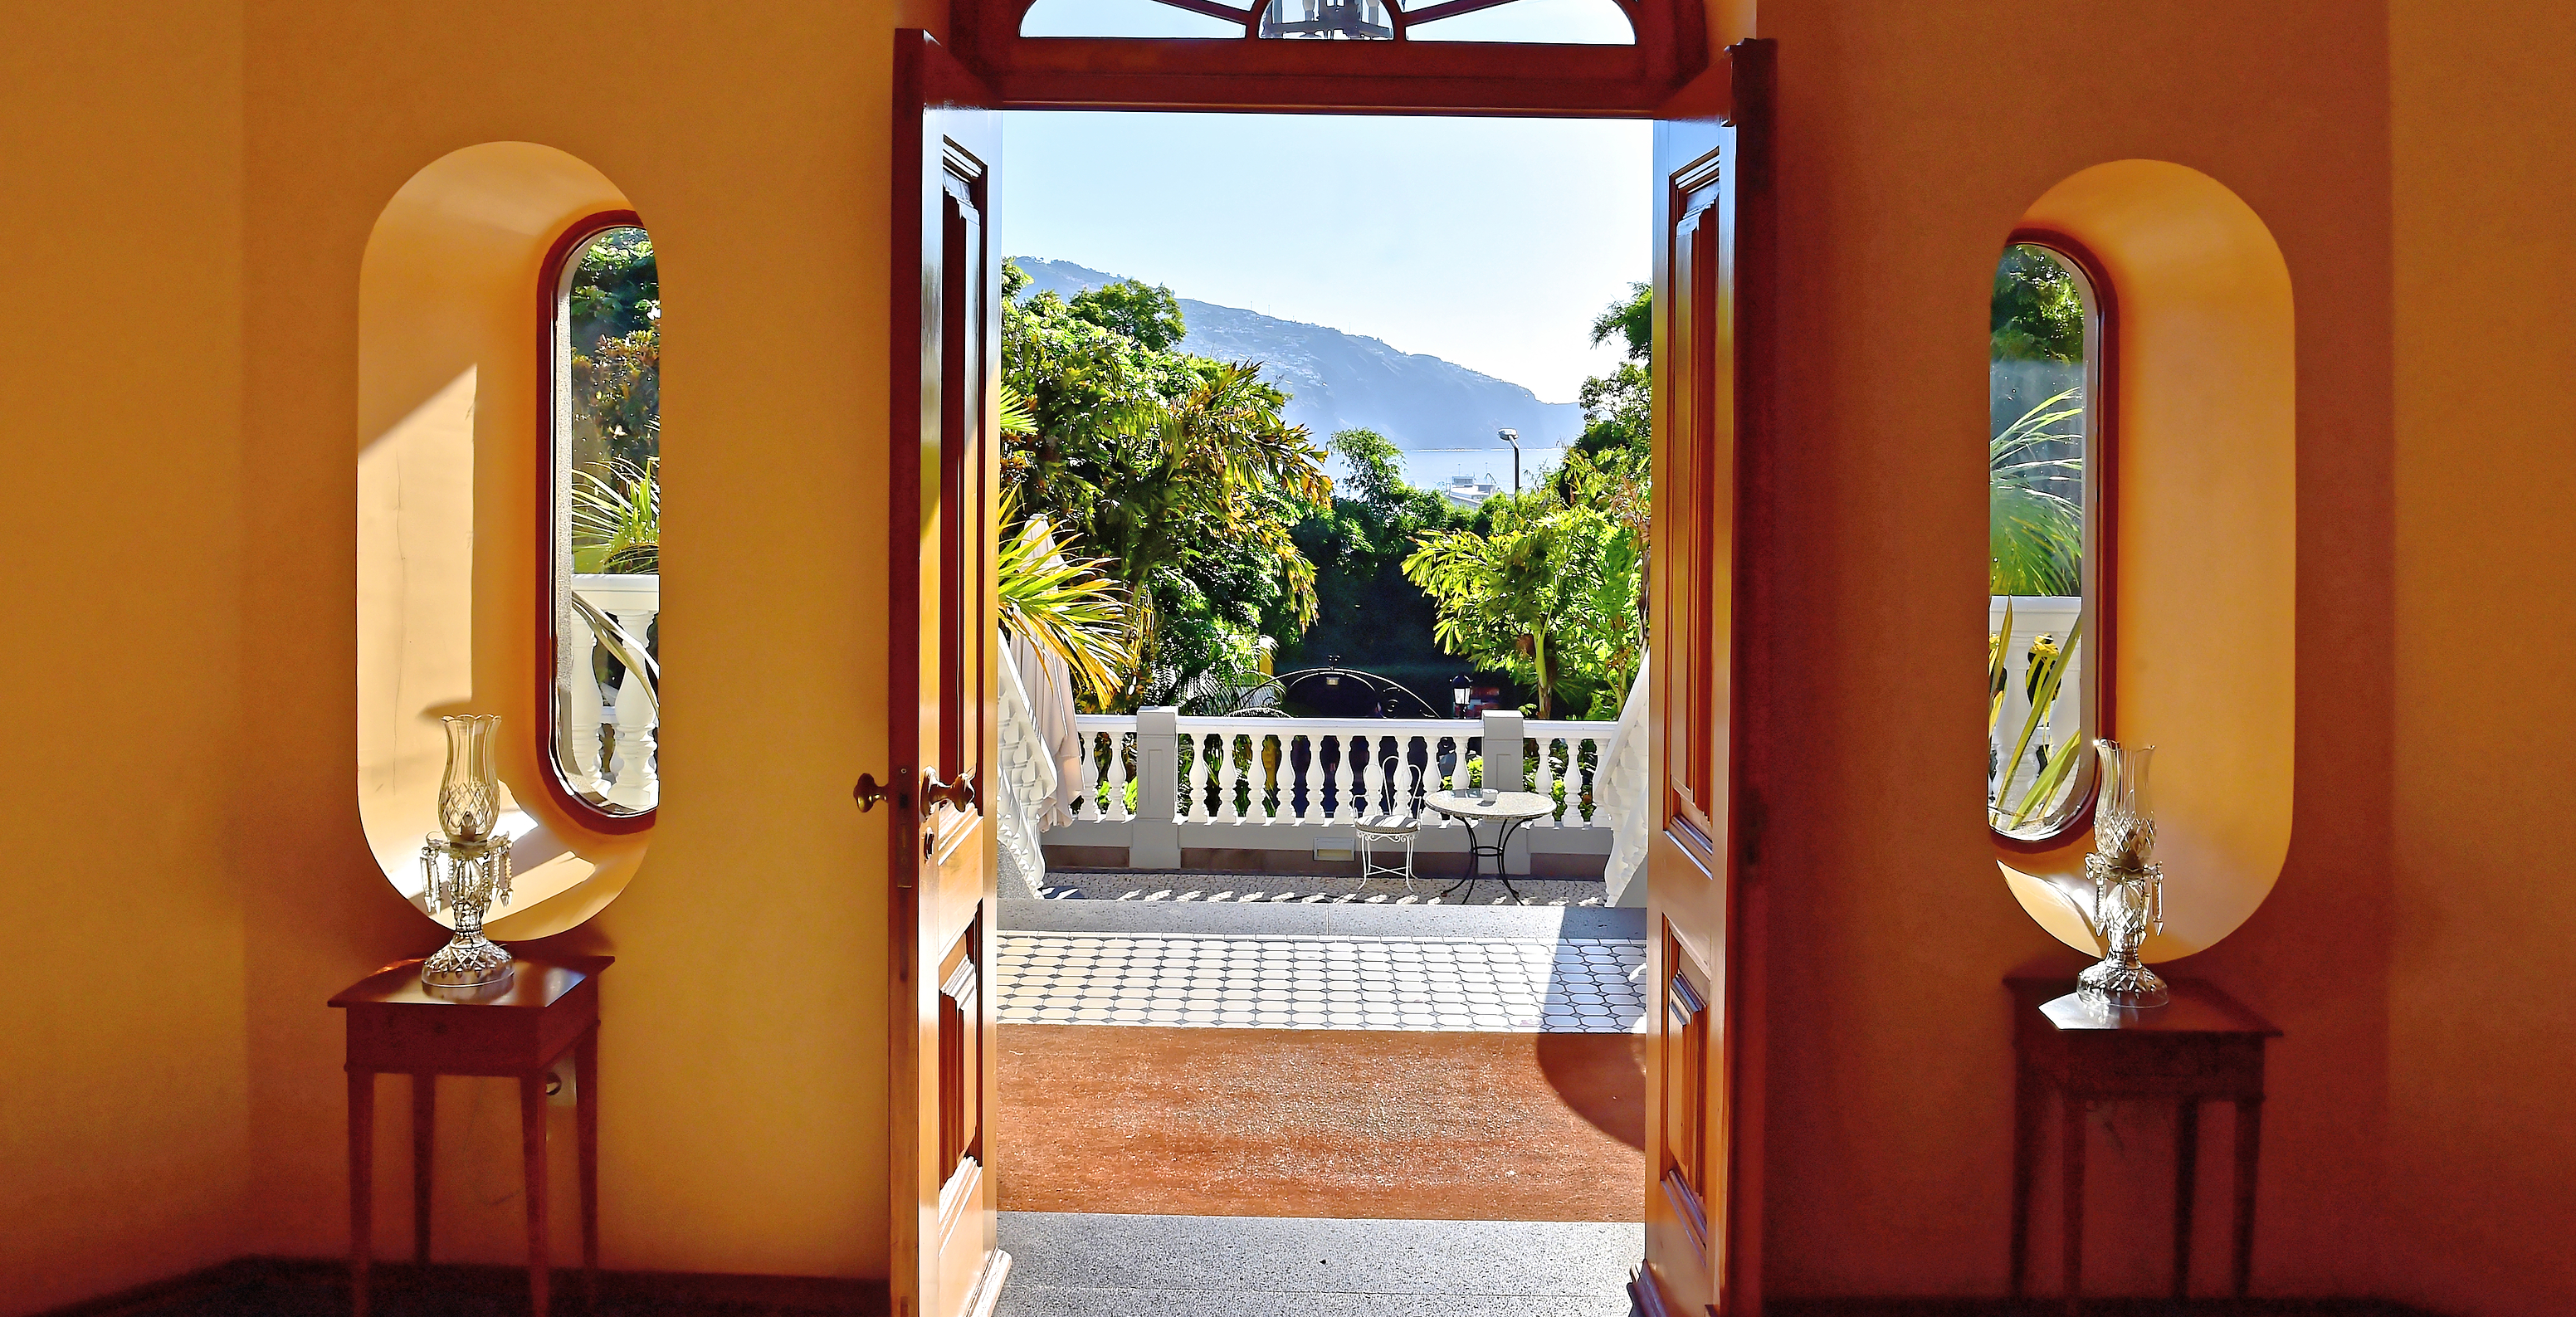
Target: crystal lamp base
[(2122, 982), (469, 960)]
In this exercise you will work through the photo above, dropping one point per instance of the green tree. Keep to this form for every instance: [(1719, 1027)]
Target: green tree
[(2035, 457), (1368, 611), (2038, 311), (1177, 469), (1619, 408), (1549, 591), (616, 330), (1148, 315)]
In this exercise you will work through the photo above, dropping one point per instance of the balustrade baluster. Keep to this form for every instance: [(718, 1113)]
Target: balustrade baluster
[(1543, 774), (1371, 778), (581, 717), (1229, 779), (1202, 778), (1114, 775), (637, 783)]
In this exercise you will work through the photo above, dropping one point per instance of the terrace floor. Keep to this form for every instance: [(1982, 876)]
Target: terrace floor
[(1309, 889), (1274, 1106)]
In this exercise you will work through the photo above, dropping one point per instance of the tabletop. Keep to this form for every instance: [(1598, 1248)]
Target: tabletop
[(533, 985), (2196, 1007), (1505, 805)]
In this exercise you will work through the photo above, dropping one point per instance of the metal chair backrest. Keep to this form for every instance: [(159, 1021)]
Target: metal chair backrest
[(1408, 796)]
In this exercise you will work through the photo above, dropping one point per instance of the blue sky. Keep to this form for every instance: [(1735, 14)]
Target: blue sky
[(1489, 242)]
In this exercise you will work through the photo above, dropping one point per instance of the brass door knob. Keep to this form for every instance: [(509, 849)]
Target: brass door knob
[(869, 792), (958, 795)]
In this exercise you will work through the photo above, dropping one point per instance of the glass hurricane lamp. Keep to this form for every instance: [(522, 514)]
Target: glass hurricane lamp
[(467, 861), (2128, 884)]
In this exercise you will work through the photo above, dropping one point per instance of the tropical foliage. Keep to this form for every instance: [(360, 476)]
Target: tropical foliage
[(616, 333), (1549, 589), (617, 519), (1367, 612), (1177, 469), (1618, 408), (2036, 531)]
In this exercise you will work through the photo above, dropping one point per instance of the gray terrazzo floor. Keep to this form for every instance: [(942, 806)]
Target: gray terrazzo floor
[(1069, 1264)]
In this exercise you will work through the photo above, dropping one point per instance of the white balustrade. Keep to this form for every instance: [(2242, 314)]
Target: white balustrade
[(631, 779), (2033, 617), (1259, 783)]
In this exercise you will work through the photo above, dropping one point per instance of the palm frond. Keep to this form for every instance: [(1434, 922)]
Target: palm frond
[(1066, 606)]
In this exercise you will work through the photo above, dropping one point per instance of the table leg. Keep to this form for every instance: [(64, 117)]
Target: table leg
[(532, 1149), (1475, 861), (2186, 1189), (362, 1184), (585, 1080), (2026, 1096), (1502, 852), (424, 1138), (2249, 1155), (2073, 1188)]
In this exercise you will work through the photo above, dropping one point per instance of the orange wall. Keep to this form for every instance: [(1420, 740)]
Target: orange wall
[(1911, 138), (742, 1054), (2481, 1033), (123, 1120), (186, 221)]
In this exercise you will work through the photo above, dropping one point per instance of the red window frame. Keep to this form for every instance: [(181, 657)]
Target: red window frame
[(2101, 517), (550, 479)]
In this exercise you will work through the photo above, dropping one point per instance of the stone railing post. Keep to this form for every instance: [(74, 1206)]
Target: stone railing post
[(1154, 839), (1503, 733), (1505, 771)]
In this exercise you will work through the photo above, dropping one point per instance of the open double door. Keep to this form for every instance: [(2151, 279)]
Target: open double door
[(1710, 359)]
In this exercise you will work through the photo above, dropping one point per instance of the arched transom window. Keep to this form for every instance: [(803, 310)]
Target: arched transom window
[(1601, 57), (1544, 22)]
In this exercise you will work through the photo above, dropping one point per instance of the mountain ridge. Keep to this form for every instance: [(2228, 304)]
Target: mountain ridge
[(1339, 380)]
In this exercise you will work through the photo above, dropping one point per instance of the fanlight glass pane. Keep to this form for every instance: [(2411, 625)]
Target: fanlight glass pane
[(607, 578), (1328, 20), (1558, 22), (2041, 492), (1121, 18)]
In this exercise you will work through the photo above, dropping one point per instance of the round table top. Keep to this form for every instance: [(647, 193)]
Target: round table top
[(1504, 805)]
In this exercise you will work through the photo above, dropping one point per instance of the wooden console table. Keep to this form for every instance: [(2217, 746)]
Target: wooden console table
[(515, 1030), (2202, 1046)]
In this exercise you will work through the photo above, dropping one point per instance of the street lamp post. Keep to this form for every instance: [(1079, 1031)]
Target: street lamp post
[(1513, 437)]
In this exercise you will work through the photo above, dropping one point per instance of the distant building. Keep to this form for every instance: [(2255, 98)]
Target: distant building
[(1468, 492)]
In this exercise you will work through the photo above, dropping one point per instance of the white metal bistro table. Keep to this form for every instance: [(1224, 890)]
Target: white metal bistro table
[(1507, 810)]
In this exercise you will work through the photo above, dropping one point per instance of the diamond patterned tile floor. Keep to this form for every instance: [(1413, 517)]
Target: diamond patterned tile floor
[(1521, 985)]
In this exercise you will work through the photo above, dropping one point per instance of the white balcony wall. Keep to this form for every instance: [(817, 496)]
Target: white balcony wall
[(1156, 784), (605, 739), (2032, 617)]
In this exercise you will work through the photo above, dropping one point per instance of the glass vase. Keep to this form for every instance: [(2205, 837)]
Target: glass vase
[(2128, 884), (467, 861)]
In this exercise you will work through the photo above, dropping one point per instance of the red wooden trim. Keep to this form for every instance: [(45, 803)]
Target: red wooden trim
[(549, 315), (1349, 77), (2102, 463)]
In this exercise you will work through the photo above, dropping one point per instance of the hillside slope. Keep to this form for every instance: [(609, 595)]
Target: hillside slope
[(1345, 380)]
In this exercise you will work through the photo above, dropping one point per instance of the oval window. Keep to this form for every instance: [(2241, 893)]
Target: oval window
[(2044, 692), (606, 477)]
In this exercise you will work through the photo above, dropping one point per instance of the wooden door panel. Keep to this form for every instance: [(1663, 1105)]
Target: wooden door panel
[(941, 688), (1710, 365)]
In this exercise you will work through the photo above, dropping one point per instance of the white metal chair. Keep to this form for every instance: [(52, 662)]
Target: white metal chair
[(1393, 829)]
